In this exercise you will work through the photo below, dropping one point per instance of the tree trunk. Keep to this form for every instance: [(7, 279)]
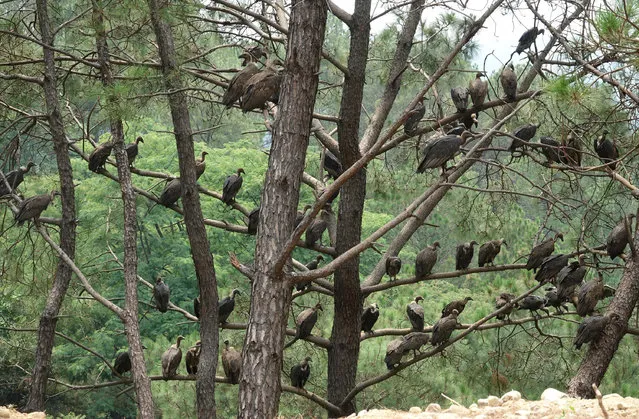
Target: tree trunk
[(141, 381), (344, 351), (202, 258), (49, 318), (260, 386)]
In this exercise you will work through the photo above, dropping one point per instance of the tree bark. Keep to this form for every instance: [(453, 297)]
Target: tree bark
[(202, 258), (260, 386), (141, 381), (344, 351), (49, 318)]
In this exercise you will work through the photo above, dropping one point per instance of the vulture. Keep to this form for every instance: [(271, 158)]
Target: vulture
[(415, 314), (304, 323), (300, 373), (32, 207), (232, 185), (444, 328), (192, 358), (619, 237), (413, 342), (550, 149), (414, 116), (425, 260), (523, 133), (527, 39), (394, 353), (550, 267), (489, 250), (98, 157), (393, 266), (231, 362), (253, 220), (464, 255), (553, 299), (171, 359), (161, 294), (478, 89), (533, 303), (314, 232), (226, 305), (197, 306), (369, 317), (501, 301), (301, 214), (132, 150), (589, 295), (571, 151), (460, 98), (262, 87), (122, 363), (439, 150), (328, 216), (457, 305), (606, 150), (171, 193), (332, 165), (569, 278), (541, 251), (311, 266), (14, 178), (468, 120), (508, 80), (590, 329), (238, 82), (200, 165)]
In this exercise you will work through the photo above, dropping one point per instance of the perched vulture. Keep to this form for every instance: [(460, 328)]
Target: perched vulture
[(394, 353), (14, 178), (226, 305), (550, 149), (414, 116), (468, 120), (232, 185), (569, 278), (231, 362), (458, 305), (301, 214), (262, 87), (527, 39), (550, 267), (304, 323), (393, 266), (533, 303), (238, 82), (590, 329), (369, 317), (619, 238), (300, 373), (415, 314), (171, 193), (314, 232), (328, 216), (571, 151), (197, 305), (478, 89), (200, 165), (464, 256), (425, 260), (523, 133), (489, 250), (501, 301), (554, 300), (99, 156), (253, 220), (311, 266), (541, 251), (413, 342), (171, 359), (439, 150), (508, 80), (192, 358), (444, 328), (332, 165), (132, 150), (606, 150), (32, 207), (161, 294), (589, 295), (460, 98), (122, 362)]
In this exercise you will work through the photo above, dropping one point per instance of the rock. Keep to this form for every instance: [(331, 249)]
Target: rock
[(473, 406), (622, 406), (611, 395), (37, 415), (433, 407), (361, 413), (523, 412), (552, 395), (4, 412), (512, 395), (482, 402), (415, 409), (494, 401), (457, 409)]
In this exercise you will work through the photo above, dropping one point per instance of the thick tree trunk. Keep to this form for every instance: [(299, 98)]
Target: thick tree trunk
[(202, 258), (141, 380), (344, 351), (49, 318), (260, 386)]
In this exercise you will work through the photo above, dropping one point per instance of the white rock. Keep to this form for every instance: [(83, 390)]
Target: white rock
[(611, 396), (362, 412), (494, 401), (433, 407), (513, 395), (459, 410), (415, 409), (552, 395), (523, 412), (4, 412), (621, 406), (481, 417), (37, 415), (473, 406), (482, 402)]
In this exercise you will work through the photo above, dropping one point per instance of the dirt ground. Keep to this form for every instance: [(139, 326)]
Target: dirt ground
[(10, 412), (553, 404)]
